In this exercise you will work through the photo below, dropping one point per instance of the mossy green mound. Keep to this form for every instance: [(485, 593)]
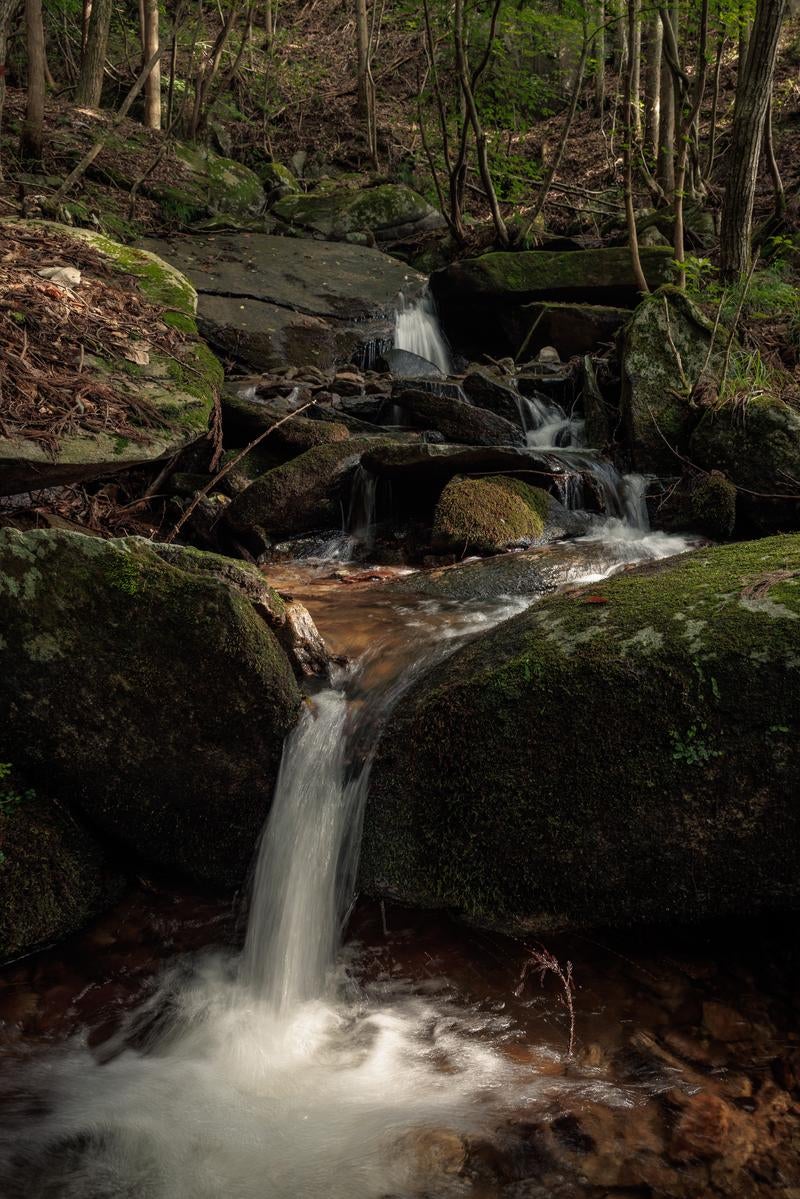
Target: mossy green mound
[(384, 211), (54, 876), (612, 757), (181, 387), (301, 495), (148, 693), (485, 516)]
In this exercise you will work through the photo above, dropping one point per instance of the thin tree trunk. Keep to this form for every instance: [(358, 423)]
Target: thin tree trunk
[(687, 131), (151, 44), (90, 80), (772, 163), (712, 131), (474, 119), (269, 25), (362, 57), (600, 58), (628, 151), (749, 118), (654, 55), (32, 136), (8, 10), (635, 43)]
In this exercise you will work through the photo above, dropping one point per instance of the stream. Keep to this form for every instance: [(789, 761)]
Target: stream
[(313, 1044)]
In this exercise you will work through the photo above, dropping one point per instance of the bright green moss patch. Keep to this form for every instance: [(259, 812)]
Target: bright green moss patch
[(486, 515)]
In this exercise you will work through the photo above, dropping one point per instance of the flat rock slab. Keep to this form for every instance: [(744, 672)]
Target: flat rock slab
[(271, 300)]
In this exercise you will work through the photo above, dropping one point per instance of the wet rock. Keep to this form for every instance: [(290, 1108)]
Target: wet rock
[(705, 1130), (572, 329), (301, 495), (713, 505), (559, 384), (181, 388), (485, 388), (156, 697), (54, 875), (246, 415), (607, 829), (402, 364), (493, 513), (302, 642), (664, 350), (268, 301), (457, 421), (725, 1023), (434, 1152)]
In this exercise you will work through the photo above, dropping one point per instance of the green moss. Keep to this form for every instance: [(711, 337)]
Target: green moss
[(713, 505), (757, 445), (530, 273), (486, 515), (343, 211), (614, 761)]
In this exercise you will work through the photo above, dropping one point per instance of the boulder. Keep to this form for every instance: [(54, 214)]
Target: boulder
[(152, 697), (277, 181), (627, 753), (490, 514), (459, 422), (54, 876), (276, 301), (664, 350), (757, 446), (179, 385), (300, 496), (486, 388), (476, 295), (245, 415), (390, 212), (573, 329), (402, 364)]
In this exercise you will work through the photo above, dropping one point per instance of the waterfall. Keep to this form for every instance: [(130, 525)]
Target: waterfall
[(362, 510), (417, 330)]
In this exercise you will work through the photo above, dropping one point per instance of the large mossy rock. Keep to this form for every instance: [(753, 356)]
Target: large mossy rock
[(272, 301), (664, 350), (152, 697), (606, 758), (481, 297), (757, 445), (181, 386), (54, 876), (491, 514), (302, 495), (389, 212)]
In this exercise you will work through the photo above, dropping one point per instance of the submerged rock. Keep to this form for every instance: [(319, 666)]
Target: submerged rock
[(625, 754), (272, 301), (54, 876), (152, 697), (487, 515), (180, 387)]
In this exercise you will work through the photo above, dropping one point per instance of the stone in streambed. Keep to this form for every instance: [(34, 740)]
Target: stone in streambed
[(54, 875), (389, 212), (456, 420), (488, 515), (152, 697), (669, 790)]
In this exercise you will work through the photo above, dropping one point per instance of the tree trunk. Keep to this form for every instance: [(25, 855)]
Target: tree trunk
[(152, 89), (635, 43), (630, 137), (362, 57), (669, 115), (90, 80), (654, 54), (269, 25), (7, 10), (468, 93), (600, 58), (33, 127), (749, 118), (688, 129)]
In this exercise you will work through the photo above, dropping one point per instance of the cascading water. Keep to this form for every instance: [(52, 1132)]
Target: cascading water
[(417, 330)]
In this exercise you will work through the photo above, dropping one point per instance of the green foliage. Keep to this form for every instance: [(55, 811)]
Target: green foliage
[(689, 749)]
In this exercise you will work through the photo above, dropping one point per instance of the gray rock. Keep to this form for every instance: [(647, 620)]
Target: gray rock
[(457, 420)]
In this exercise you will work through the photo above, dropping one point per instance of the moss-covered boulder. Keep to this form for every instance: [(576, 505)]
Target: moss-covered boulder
[(756, 444), (491, 514), (54, 875), (388, 212), (277, 181), (174, 380), (300, 496), (152, 697), (713, 505), (479, 298), (206, 184), (619, 755), (664, 350)]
